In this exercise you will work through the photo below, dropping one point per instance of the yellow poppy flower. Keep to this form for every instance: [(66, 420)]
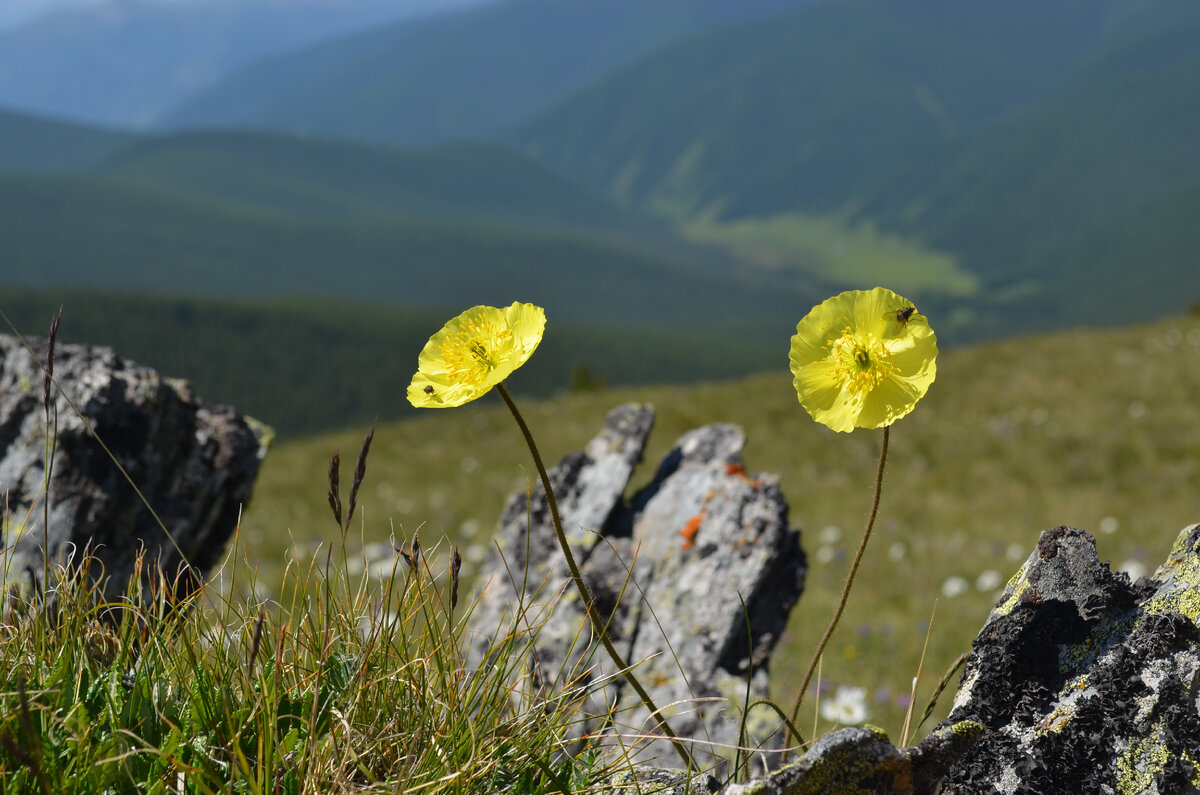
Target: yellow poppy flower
[(474, 352), (863, 359)]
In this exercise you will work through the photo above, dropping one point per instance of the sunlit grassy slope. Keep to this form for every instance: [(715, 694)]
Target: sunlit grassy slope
[(837, 252), (1095, 428)]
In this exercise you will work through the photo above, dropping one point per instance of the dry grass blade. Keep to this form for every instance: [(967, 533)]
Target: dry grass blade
[(51, 410), (255, 642), (942, 685), (48, 375), (912, 696), (455, 566), (335, 500), (360, 472)]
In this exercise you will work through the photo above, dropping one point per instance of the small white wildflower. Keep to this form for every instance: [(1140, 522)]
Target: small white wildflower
[(897, 551), (1015, 552), (382, 569), (954, 587), (1134, 568), (1038, 415), (988, 580), (469, 465), (1137, 409), (830, 535), (848, 706), (1109, 525), (826, 555)]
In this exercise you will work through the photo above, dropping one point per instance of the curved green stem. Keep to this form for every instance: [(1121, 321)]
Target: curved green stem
[(589, 601), (841, 605)]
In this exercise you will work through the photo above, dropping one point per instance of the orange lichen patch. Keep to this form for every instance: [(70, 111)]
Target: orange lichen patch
[(690, 529), (739, 471)]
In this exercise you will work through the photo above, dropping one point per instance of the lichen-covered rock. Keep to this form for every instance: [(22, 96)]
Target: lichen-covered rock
[(659, 781), (698, 570), (1079, 682), (863, 760), (175, 475), (1087, 683)]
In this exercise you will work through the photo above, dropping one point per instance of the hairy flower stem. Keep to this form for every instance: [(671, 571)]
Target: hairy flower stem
[(585, 593), (841, 605)]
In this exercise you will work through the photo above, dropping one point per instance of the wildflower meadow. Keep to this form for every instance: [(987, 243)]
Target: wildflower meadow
[(303, 667)]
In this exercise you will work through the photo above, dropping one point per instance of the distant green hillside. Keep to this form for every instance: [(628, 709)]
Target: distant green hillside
[(304, 365), (328, 178), (1084, 202), (1037, 158), (807, 110), (467, 75), (30, 143), (106, 233), (1008, 167)]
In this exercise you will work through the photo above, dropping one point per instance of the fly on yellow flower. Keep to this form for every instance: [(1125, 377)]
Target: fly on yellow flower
[(474, 352), (863, 359)]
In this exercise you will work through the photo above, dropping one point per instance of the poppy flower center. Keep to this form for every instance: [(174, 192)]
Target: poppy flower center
[(860, 361)]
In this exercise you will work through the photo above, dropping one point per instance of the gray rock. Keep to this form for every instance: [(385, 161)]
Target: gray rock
[(698, 571), (1079, 682), (1085, 681), (865, 761), (193, 462), (659, 781)]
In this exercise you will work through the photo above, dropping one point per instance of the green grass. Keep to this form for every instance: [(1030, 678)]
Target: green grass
[(1089, 428), (340, 683)]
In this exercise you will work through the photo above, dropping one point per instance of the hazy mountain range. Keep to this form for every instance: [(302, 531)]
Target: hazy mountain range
[(697, 166), (466, 75), (126, 62)]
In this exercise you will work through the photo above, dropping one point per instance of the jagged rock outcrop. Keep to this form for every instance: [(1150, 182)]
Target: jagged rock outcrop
[(699, 571), (189, 466), (1079, 682), (1085, 681)]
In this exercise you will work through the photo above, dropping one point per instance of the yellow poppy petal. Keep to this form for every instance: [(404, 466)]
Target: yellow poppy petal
[(862, 359), (473, 352)]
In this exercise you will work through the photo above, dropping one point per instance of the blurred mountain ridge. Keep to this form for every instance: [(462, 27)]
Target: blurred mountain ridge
[(124, 62), (1008, 167)]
